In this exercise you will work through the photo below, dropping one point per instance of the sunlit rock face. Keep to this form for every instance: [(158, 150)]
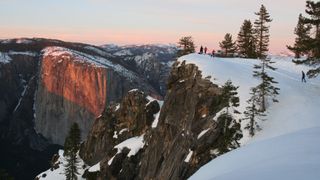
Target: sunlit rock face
[(80, 83), (69, 91), (75, 87), (46, 85)]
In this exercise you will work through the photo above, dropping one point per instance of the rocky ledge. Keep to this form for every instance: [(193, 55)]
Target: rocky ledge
[(130, 142)]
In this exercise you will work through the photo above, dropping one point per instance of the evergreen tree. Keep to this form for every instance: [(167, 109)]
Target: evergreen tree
[(262, 32), (231, 135), (71, 147), (186, 46), (229, 95), (226, 122), (71, 166), (313, 11), (312, 42), (229, 98), (253, 112), (303, 38), (246, 41), (266, 87), (228, 45)]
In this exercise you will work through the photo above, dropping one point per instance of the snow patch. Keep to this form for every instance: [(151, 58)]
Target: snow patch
[(123, 130), (24, 53), (133, 90), (110, 161), (20, 99), (187, 159), (203, 133), (124, 52), (95, 168), (134, 144), (115, 135), (5, 58), (24, 41), (117, 107)]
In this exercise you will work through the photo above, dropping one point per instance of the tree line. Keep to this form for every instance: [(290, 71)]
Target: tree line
[(252, 42), (307, 41)]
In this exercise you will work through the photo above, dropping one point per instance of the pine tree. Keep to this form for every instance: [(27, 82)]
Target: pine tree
[(266, 87), (312, 44), (228, 45), (253, 112), (186, 46), (303, 38), (313, 10), (231, 135), (229, 98), (71, 147), (262, 32), (71, 166), (229, 95), (246, 41), (226, 122)]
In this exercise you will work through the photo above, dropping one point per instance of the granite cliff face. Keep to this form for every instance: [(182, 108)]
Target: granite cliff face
[(48, 84), (130, 141), (72, 88)]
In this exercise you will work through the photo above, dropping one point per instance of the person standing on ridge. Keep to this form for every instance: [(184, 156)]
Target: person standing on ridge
[(213, 52), (201, 50), (205, 50), (303, 79)]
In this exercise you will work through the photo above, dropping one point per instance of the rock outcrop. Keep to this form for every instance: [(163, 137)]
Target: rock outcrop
[(132, 117), (185, 138), (174, 150)]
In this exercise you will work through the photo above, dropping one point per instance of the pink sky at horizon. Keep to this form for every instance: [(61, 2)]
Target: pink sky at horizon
[(125, 38), (144, 21)]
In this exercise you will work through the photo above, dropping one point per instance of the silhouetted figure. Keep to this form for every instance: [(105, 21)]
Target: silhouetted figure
[(213, 52), (303, 79), (205, 50), (201, 50)]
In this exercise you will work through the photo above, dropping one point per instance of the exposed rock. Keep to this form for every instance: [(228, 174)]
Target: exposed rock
[(132, 117), (186, 137), (70, 91), (54, 162), (190, 104)]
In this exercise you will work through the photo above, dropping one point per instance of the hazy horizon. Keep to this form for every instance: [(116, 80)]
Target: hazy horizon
[(125, 22)]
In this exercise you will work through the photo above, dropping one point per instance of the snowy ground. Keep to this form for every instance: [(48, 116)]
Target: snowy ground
[(286, 147), (59, 174)]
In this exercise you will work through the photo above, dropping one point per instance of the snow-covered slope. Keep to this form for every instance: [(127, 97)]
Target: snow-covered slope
[(293, 156), (286, 147)]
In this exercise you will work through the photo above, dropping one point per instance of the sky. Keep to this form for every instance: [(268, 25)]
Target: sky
[(145, 21)]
